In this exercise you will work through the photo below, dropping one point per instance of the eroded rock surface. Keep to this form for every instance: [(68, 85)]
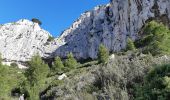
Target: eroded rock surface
[(21, 40), (110, 25)]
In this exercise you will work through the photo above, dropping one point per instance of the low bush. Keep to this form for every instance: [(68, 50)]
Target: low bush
[(50, 38), (155, 40), (14, 64), (156, 84)]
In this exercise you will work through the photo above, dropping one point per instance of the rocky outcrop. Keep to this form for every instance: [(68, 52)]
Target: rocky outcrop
[(110, 25), (21, 40)]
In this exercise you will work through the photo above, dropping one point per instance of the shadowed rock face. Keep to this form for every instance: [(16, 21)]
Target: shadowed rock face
[(111, 25)]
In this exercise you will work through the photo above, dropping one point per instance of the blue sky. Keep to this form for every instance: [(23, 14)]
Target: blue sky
[(55, 15)]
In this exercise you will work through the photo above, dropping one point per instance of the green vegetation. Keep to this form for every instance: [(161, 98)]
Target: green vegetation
[(122, 79), (35, 20), (70, 62), (130, 45), (50, 38), (10, 78), (156, 39), (58, 66), (37, 70), (14, 64), (103, 54), (156, 84), (35, 78)]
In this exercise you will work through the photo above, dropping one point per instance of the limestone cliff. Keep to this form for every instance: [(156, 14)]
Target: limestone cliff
[(21, 40), (110, 25)]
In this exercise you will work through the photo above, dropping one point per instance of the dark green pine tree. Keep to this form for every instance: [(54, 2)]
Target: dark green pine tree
[(58, 65), (70, 62), (103, 54), (37, 70), (130, 45)]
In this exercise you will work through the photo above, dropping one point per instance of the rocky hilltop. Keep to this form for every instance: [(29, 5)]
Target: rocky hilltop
[(21, 40), (109, 24)]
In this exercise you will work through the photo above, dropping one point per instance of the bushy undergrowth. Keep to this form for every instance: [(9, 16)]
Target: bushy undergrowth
[(156, 85), (155, 39), (9, 79), (114, 80)]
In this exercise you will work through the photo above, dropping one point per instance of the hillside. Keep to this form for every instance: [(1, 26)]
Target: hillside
[(109, 24), (118, 51)]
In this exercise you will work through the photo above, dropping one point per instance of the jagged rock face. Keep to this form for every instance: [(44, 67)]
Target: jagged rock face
[(21, 40), (110, 25)]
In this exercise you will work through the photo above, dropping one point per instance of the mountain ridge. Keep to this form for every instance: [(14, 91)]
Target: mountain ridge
[(109, 24)]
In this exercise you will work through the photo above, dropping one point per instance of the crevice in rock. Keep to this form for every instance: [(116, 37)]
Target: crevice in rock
[(155, 9), (139, 5)]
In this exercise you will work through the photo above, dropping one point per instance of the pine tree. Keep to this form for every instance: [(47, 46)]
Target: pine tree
[(35, 20), (58, 65), (70, 62), (35, 77), (37, 70), (103, 54), (130, 44)]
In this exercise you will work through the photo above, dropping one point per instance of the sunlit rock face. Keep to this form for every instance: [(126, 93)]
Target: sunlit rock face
[(110, 25), (21, 40)]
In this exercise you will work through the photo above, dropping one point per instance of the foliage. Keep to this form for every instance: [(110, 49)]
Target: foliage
[(103, 54), (156, 84), (37, 70), (14, 64), (70, 62), (156, 39), (130, 45), (56, 83), (35, 77), (58, 65), (50, 38), (10, 78), (35, 20), (90, 89)]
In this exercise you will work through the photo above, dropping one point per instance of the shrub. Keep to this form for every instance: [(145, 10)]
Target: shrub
[(156, 39), (156, 84), (50, 38), (103, 54), (130, 45), (9, 79), (35, 20), (70, 62), (14, 64)]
